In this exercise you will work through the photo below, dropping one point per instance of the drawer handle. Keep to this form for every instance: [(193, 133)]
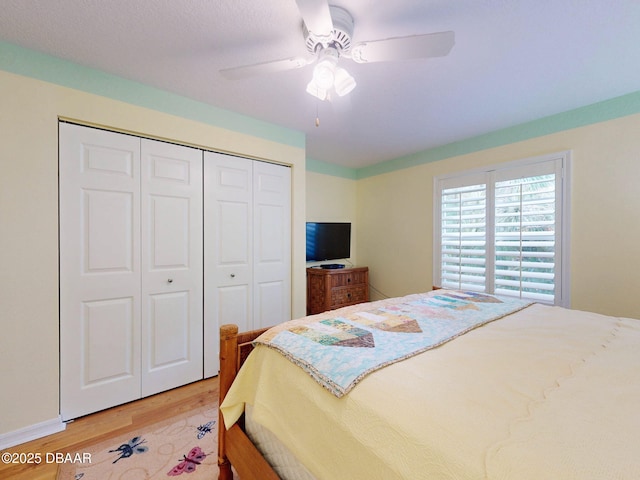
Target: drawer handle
[(349, 280)]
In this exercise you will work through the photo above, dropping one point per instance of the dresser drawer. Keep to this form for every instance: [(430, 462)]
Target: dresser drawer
[(348, 295), (328, 289), (348, 278)]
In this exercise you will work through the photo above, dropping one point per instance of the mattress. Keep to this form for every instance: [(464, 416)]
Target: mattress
[(283, 462), (543, 393)]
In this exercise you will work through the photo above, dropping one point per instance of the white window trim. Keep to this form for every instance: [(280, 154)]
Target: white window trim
[(562, 290)]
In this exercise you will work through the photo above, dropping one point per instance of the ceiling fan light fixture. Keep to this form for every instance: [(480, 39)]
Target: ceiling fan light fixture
[(314, 89), (344, 82), (327, 75), (324, 73)]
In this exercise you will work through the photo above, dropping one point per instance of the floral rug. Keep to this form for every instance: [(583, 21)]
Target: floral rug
[(182, 445)]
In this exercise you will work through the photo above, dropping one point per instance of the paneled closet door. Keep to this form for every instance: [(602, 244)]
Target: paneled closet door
[(172, 229), (247, 211), (272, 238), (99, 269), (130, 268), (228, 213)]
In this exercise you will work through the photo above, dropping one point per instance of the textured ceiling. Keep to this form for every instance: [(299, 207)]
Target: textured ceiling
[(513, 61)]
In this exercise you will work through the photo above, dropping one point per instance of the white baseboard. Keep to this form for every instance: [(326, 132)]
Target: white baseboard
[(31, 432)]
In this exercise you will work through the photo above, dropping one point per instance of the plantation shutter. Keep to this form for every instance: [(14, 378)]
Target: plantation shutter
[(525, 237), (464, 237), (500, 231)]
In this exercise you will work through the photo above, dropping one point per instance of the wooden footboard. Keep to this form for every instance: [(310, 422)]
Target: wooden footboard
[(234, 447)]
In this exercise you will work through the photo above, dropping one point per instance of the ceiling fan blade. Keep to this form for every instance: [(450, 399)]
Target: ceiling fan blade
[(263, 68), (317, 17), (404, 48)]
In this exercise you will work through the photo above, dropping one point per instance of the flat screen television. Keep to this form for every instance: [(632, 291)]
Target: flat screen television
[(328, 241)]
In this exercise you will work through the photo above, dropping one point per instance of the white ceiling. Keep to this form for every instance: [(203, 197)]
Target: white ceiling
[(513, 61)]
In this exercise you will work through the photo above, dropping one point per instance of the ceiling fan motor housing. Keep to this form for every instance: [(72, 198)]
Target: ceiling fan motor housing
[(341, 34)]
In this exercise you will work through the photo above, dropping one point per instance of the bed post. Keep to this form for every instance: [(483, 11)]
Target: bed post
[(228, 371)]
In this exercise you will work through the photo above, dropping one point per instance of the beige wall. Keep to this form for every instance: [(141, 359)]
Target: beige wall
[(391, 214), (395, 234), (332, 199), (395, 222), (29, 224)]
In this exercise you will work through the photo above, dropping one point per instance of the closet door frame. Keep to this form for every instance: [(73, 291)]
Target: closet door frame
[(240, 288)]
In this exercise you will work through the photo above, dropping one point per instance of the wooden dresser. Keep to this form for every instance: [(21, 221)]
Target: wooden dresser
[(328, 289)]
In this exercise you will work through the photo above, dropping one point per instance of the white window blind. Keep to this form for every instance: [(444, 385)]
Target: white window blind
[(501, 230), (464, 237), (525, 237)]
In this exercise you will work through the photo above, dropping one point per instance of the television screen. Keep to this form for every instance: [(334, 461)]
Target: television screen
[(328, 241)]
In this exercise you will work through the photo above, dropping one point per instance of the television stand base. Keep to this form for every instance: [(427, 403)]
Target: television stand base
[(332, 266)]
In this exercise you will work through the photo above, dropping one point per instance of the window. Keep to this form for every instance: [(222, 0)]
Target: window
[(504, 229)]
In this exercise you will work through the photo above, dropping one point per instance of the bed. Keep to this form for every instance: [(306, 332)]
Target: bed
[(522, 391)]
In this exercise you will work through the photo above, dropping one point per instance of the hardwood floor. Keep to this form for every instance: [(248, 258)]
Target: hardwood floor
[(102, 425)]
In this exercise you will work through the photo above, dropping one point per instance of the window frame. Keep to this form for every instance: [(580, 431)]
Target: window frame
[(492, 174)]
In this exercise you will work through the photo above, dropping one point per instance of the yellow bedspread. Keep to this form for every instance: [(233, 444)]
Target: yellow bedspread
[(545, 393)]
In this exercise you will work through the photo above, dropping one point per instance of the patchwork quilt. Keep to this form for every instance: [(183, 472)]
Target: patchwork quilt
[(340, 347)]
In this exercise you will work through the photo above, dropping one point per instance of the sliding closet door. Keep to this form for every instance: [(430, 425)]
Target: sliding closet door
[(99, 269), (171, 265), (272, 237), (228, 213)]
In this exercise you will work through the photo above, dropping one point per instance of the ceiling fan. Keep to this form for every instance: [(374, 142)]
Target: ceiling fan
[(328, 32)]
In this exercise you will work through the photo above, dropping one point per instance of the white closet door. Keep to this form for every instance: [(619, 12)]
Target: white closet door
[(99, 269), (228, 212), (272, 237), (171, 265)]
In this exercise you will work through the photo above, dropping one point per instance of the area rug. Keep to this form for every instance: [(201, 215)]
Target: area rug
[(186, 445)]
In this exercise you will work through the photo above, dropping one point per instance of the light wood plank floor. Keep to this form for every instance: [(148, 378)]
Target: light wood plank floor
[(102, 425)]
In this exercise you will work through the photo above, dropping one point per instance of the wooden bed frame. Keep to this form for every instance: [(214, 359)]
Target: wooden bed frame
[(234, 447)]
